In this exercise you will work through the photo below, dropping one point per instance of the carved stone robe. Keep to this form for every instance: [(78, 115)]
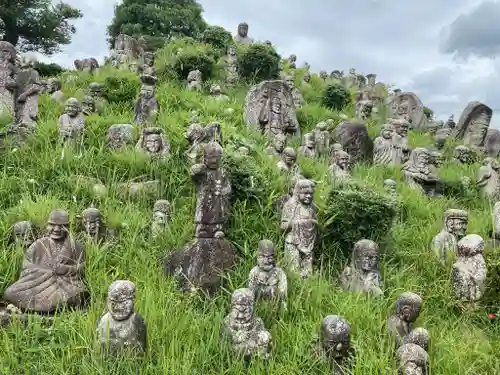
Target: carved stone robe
[(355, 281), (28, 82), (268, 285), (468, 277), (71, 127), (444, 244), (119, 335), (145, 110), (7, 87), (302, 236)]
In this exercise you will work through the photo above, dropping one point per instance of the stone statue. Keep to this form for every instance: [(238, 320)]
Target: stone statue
[(95, 90), (216, 93), (288, 162), (385, 147), (148, 67), (440, 140), (391, 186), (355, 140), (120, 328), (322, 138), (292, 61), (306, 78), (120, 136), (400, 137), (54, 88), (335, 346), (405, 313), (298, 221), (463, 155), (444, 243), (363, 275), (161, 217), (23, 233), (92, 224), (8, 79), (468, 274), (308, 148), (2, 29), (339, 168), (408, 105), (450, 123), (242, 35), (267, 280), (198, 136), (52, 271), (244, 329), (488, 178), (323, 75), (298, 99), (412, 360), (194, 80), (88, 105), (278, 145), (473, 124), (418, 174), (72, 121), (352, 78), (364, 105), (153, 144), (27, 91), (232, 65), (418, 336), (146, 106)]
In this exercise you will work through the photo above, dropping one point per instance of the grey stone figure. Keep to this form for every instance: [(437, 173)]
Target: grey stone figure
[(338, 171), (400, 137), (298, 222), (88, 105), (418, 336), (288, 162), (322, 138), (148, 67), (242, 34), (232, 65), (72, 121), (244, 330), (488, 179), (405, 313), (52, 271), (120, 136), (437, 160), (54, 89), (153, 144), (198, 136), (121, 329), (95, 91), (161, 217), (194, 80), (385, 152), (363, 275), (27, 91), (93, 225), (450, 123), (463, 155), (444, 244), (418, 174), (146, 106), (469, 271), (23, 233), (277, 146), (473, 124), (334, 344), (355, 140), (298, 99), (8, 72), (216, 93), (267, 280), (412, 360), (391, 186), (306, 79), (2, 29), (440, 140), (495, 233), (323, 75), (308, 147)]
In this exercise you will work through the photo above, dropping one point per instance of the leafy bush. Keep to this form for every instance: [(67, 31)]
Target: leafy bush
[(336, 97), (217, 36), (247, 180), (120, 89), (48, 70), (428, 112), (193, 59), (258, 62)]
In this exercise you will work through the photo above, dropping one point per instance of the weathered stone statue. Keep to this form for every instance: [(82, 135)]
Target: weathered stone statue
[(95, 90), (468, 274), (72, 121), (495, 233), (444, 243), (244, 329), (355, 140), (488, 179), (267, 280), (8, 79), (120, 328), (363, 275), (148, 67), (232, 65), (400, 137), (93, 225), (408, 105), (334, 344), (418, 336), (194, 80), (473, 124), (412, 360), (308, 147), (418, 174), (88, 105), (385, 150), (463, 155), (23, 233), (352, 78), (323, 75), (54, 89), (338, 170), (146, 106), (405, 313), (27, 91), (198, 136), (440, 140), (450, 123), (292, 61), (242, 35), (364, 105), (298, 99), (153, 144), (161, 217), (120, 135), (322, 138), (306, 78), (216, 93), (437, 160), (298, 221), (278, 145), (288, 162), (52, 271)]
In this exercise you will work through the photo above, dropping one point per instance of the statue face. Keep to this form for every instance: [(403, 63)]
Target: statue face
[(266, 262), (88, 106), (5, 54), (153, 143), (279, 145), (232, 51), (121, 310), (92, 225), (242, 30), (423, 159), (457, 226), (367, 261), (149, 60), (387, 133), (307, 77), (306, 195), (343, 161), (290, 82), (408, 313), (403, 109), (463, 155), (72, 110), (337, 345), (289, 159), (95, 92), (57, 231), (160, 218), (147, 92), (212, 159), (243, 308), (23, 238), (215, 90)]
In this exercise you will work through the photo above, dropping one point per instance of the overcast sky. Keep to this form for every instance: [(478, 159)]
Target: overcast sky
[(445, 51)]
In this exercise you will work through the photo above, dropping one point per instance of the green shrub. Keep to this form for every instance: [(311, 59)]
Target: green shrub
[(258, 62), (336, 97), (247, 179), (48, 70), (217, 37), (192, 59), (120, 89)]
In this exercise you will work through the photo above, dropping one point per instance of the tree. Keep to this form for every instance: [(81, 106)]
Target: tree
[(429, 113), (38, 25), (158, 19)]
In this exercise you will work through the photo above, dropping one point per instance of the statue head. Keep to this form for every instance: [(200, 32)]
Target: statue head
[(149, 58), (401, 126), (148, 86), (26, 62), (307, 77), (231, 51), (470, 245), (243, 151), (88, 104), (290, 81), (462, 154), (279, 142), (91, 220), (121, 298), (152, 140), (53, 85), (396, 92), (408, 307), (323, 74), (242, 303), (266, 255), (387, 131), (276, 104), (412, 360), (58, 224), (212, 155), (289, 156), (23, 233), (95, 89), (215, 90), (450, 123), (418, 336), (365, 255), (437, 159), (269, 43), (440, 140), (304, 191), (455, 222), (322, 126), (161, 212), (420, 158), (72, 108), (78, 64), (403, 108), (309, 140), (335, 336), (243, 29), (342, 159)]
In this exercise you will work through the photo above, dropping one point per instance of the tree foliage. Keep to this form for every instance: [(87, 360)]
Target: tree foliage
[(217, 36), (48, 69), (39, 25), (258, 62), (336, 97)]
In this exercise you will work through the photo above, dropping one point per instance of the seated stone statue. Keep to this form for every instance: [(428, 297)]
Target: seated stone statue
[(308, 148), (418, 174), (405, 313), (363, 274), (92, 224), (120, 328), (153, 144), (288, 162), (72, 122), (391, 187), (194, 80), (338, 170), (88, 105), (216, 93), (488, 179), (412, 360), (322, 138), (463, 155), (52, 271), (161, 217), (444, 244), (278, 145)]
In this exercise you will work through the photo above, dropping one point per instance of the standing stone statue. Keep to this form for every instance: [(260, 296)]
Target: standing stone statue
[(267, 280), (473, 124), (298, 99), (323, 75), (269, 106), (400, 139), (216, 93), (121, 328), (308, 147), (148, 67), (278, 145), (161, 217), (72, 121), (27, 91), (338, 170), (495, 233), (364, 105), (8, 80), (468, 274), (488, 178), (198, 136), (52, 271), (245, 331), (120, 136), (153, 144), (288, 162), (298, 221), (437, 160), (385, 150), (232, 65), (2, 29), (242, 34), (334, 344), (88, 105), (95, 90), (322, 138), (54, 88), (23, 233), (440, 140), (412, 360), (352, 78), (418, 336), (444, 244), (306, 79), (463, 155), (418, 174), (195, 80), (363, 275), (146, 106), (405, 313)]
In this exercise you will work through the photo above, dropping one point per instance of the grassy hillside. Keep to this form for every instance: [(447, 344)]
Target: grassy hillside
[(183, 330)]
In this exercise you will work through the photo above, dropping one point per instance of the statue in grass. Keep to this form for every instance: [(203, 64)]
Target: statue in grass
[(406, 311), (444, 244)]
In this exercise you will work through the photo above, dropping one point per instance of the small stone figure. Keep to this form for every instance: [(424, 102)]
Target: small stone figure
[(27, 91), (120, 135), (288, 162), (242, 35), (339, 168), (95, 90), (23, 233), (244, 329), (298, 221), (463, 155), (298, 99), (232, 65), (52, 272), (146, 106), (363, 275), (153, 144), (72, 122), (54, 89), (121, 328), (278, 145), (161, 217), (400, 137), (198, 136), (412, 360), (8, 73), (405, 313), (418, 174), (267, 280), (92, 224), (306, 78), (391, 186), (450, 123), (334, 344), (323, 75), (322, 138), (444, 243), (308, 148), (468, 274), (292, 61), (437, 160), (148, 68), (488, 178), (88, 105), (216, 93), (419, 336), (194, 80)]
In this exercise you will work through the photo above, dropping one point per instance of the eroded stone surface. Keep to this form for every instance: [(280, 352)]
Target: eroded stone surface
[(146, 106), (412, 360), (153, 144)]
